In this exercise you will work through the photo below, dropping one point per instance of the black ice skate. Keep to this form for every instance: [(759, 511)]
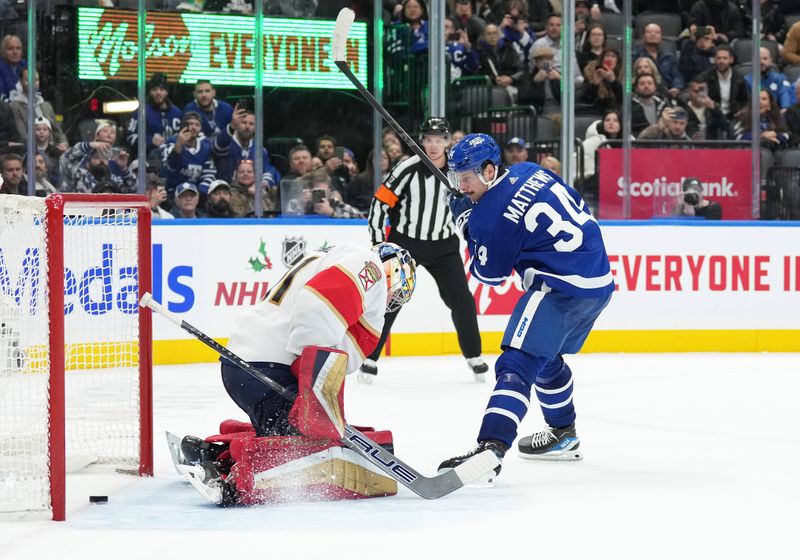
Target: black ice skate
[(551, 444), (478, 367), (368, 371), (497, 447)]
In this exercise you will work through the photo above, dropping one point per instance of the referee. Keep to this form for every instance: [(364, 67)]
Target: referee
[(415, 203)]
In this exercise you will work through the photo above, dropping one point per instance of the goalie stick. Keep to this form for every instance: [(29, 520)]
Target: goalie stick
[(343, 22), (426, 487)]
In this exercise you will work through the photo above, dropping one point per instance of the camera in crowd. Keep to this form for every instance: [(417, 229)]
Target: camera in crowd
[(692, 191)]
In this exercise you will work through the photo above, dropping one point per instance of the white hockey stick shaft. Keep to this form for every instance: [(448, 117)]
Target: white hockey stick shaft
[(426, 487), (339, 47)]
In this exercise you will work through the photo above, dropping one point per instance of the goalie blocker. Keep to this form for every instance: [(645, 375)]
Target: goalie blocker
[(306, 462)]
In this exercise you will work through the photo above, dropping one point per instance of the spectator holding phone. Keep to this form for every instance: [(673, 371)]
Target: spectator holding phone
[(706, 120), (463, 58), (723, 16), (603, 89), (670, 126), (236, 142), (322, 200), (187, 156), (515, 30), (88, 164), (543, 90)]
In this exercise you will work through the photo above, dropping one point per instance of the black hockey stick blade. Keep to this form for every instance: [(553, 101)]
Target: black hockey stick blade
[(426, 487), (339, 47)]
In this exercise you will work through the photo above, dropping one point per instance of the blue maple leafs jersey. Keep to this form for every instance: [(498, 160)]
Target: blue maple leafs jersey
[(531, 222)]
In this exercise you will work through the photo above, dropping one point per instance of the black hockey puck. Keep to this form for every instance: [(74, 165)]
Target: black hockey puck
[(98, 499)]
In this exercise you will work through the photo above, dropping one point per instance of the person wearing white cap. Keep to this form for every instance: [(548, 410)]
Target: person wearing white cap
[(218, 204), (186, 200), (44, 147), (87, 164)]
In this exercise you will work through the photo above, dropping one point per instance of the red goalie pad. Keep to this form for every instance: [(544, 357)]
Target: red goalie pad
[(318, 410), (296, 468)]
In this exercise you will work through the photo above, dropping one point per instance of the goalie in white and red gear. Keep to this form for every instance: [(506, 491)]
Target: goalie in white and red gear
[(317, 324)]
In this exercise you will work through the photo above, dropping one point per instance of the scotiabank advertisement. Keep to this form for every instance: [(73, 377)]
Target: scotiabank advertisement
[(657, 176)]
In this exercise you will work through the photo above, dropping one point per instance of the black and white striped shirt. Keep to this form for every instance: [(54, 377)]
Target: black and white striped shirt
[(415, 203)]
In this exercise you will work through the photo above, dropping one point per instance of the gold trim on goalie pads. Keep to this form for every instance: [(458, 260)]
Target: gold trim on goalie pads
[(328, 386), (279, 469)]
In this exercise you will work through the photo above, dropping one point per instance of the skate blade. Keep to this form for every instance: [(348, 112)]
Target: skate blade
[(569, 455), (365, 378), (195, 474), (479, 377)]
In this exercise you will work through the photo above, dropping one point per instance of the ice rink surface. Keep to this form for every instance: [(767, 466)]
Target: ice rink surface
[(687, 456)]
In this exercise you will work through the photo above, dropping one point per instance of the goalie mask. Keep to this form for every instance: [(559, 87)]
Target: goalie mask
[(401, 276)]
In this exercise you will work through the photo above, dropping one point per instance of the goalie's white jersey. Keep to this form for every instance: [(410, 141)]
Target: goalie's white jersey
[(334, 299)]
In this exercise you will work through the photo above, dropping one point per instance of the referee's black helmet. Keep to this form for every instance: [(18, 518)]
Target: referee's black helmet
[(436, 126)]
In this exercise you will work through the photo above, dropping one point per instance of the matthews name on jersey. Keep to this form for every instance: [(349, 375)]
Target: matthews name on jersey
[(334, 299), (531, 222)]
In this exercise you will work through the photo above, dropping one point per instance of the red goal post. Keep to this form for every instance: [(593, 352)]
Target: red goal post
[(75, 349)]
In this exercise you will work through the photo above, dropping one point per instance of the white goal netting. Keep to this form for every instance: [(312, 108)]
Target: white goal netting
[(100, 325)]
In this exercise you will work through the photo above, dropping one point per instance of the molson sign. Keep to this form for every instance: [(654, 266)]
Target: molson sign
[(220, 48)]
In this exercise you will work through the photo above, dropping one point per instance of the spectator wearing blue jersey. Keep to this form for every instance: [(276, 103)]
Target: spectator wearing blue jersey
[(415, 15), (516, 31), (236, 142), (462, 57), (162, 118), (11, 65), (524, 219), (216, 113), (773, 81), (188, 155)]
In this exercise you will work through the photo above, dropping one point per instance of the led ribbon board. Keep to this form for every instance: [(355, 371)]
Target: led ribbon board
[(216, 47)]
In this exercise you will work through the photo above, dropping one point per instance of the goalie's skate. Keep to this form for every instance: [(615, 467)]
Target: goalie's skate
[(207, 480), (497, 447), (551, 444), (479, 368)]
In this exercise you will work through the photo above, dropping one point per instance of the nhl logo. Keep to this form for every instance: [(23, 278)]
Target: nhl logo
[(294, 249)]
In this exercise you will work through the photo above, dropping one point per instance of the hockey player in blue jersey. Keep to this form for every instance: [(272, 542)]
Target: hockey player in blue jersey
[(525, 219)]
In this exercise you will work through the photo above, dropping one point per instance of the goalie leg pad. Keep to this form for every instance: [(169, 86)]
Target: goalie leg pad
[(290, 469), (318, 410)]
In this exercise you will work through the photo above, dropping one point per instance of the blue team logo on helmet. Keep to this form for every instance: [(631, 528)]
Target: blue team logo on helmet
[(472, 151)]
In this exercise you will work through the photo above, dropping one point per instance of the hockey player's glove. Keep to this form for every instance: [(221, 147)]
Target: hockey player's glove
[(461, 209)]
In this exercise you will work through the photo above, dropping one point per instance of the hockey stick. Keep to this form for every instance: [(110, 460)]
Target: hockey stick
[(426, 487), (343, 22)]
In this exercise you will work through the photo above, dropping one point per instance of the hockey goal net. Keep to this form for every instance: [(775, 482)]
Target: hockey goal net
[(75, 353)]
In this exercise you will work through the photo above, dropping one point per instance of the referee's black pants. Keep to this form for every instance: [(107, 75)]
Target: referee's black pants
[(443, 260)]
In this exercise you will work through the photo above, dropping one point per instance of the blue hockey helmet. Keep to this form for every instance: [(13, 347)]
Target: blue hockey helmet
[(472, 152), (401, 275)]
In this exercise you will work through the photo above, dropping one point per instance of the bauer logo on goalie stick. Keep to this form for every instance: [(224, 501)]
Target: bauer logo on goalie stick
[(369, 275), (294, 249), (374, 451)]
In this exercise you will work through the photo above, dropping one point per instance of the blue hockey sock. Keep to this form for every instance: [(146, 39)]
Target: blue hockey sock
[(554, 391), (510, 399)]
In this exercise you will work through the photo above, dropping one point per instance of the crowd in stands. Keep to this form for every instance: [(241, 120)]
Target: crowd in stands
[(691, 82)]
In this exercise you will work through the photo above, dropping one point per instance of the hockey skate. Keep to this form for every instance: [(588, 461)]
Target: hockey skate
[(497, 447), (205, 477), (368, 371), (479, 368), (551, 444)]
